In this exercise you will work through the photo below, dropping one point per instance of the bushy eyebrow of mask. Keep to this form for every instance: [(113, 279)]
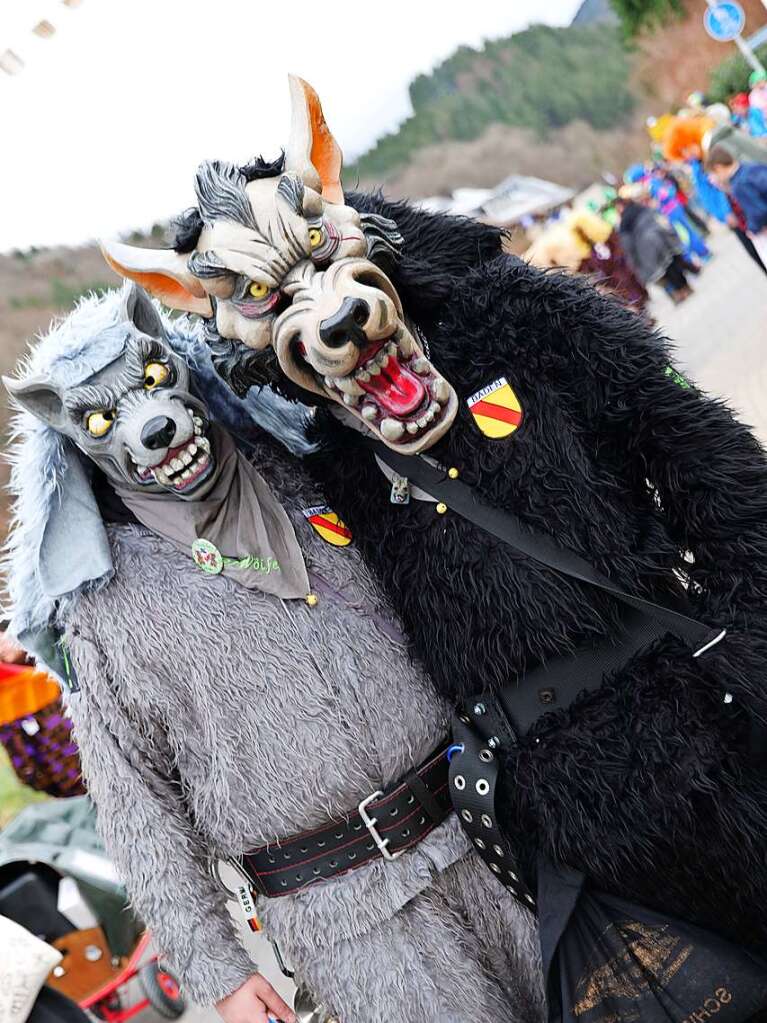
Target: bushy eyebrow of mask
[(95, 397)]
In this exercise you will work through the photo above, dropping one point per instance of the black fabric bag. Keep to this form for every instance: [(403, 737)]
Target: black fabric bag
[(608, 961)]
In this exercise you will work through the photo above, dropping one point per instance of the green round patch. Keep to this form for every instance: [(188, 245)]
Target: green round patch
[(207, 557)]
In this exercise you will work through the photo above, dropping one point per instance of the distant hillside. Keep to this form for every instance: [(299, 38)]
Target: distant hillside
[(593, 11), (541, 79)]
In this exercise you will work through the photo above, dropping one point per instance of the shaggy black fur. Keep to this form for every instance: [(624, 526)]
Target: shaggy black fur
[(647, 784)]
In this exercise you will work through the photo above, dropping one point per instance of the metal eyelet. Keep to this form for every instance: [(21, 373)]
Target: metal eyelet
[(410, 800), (316, 871), (421, 821), (284, 883), (406, 833), (486, 756), (467, 815), (464, 718), (358, 827), (487, 820), (494, 742), (339, 837), (333, 864), (498, 850), (530, 899), (513, 876), (479, 843), (287, 856), (479, 709), (352, 855), (304, 849), (322, 844), (370, 847), (394, 812), (299, 878), (460, 782), (495, 868), (482, 786)]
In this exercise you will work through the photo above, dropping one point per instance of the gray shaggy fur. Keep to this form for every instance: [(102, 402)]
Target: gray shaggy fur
[(259, 718)]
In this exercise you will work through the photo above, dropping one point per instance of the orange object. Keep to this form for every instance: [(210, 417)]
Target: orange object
[(24, 691), (683, 134)]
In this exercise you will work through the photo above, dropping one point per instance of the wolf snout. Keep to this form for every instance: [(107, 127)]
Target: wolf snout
[(158, 432), (347, 324)]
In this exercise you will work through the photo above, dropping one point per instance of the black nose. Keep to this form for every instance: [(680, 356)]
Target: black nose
[(158, 433), (347, 324)]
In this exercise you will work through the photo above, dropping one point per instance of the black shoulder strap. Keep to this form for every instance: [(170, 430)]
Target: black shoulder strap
[(507, 527)]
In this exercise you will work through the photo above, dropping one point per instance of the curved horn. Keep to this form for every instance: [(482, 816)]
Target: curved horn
[(312, 152)]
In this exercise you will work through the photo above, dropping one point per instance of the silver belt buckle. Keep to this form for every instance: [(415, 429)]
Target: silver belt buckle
[(370, 824)]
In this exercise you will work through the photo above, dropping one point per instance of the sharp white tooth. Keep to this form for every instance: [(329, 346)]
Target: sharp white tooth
[(349, 386), (391, 429), (330, 383), (406, 345), (197, 421), (373, 368), (176, 465), (203, 460), (382, 357), (422, 366), (140, 469), (161, 477), (203, 443), (369, 412), (440, 389), (435, 408), (363, 375), (412, 427), (185, 457), (186, 474), (423, 421), (391, 348), (192, 449), (351, 399)]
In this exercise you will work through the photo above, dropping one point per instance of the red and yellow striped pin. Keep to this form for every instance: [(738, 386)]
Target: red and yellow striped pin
[(325, 522), (496, 409)]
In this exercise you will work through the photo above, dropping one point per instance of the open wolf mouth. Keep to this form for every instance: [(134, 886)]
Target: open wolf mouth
[(397, 391), (184, 467)]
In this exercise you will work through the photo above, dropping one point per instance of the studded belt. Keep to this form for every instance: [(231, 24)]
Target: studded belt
[(383, 824)]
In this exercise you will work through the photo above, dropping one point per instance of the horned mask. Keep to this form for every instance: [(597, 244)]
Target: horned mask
[(275, 258)]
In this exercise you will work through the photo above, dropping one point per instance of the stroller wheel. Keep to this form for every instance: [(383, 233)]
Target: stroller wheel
[(163, 991)]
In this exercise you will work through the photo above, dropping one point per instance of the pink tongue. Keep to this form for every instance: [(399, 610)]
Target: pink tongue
[(396, 389)]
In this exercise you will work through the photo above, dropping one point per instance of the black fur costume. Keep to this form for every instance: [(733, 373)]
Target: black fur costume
[(649, 785)]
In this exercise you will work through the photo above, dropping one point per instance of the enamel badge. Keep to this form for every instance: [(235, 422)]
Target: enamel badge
[(207, 556), (496, 409), (328, 525)]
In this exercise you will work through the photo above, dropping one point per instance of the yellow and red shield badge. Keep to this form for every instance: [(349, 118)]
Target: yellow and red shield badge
[(496, 409), (328, 525)]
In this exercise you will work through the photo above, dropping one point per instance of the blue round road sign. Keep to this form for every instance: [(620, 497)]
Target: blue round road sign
[(724, 21)]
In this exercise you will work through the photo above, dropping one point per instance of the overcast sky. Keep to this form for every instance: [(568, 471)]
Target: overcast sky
[(104, 125)]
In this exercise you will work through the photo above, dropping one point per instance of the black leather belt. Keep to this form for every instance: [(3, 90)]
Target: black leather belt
[(384, 824)]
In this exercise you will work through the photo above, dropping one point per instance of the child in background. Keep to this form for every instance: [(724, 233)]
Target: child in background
[(747, 183)]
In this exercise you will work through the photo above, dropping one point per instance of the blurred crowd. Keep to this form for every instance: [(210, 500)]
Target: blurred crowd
[(707, 163)]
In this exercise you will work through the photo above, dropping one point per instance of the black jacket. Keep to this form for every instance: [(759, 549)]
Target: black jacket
[(647, 784)]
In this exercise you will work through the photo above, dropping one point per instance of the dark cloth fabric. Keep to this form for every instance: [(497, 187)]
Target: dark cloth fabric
[(750, 248), (608, 266), (675, 278), (43, 753), (607, 959), (648, 243), (749, 186)]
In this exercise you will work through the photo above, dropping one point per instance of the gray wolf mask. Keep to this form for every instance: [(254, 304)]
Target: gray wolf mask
[(277, 259), (127, 404)]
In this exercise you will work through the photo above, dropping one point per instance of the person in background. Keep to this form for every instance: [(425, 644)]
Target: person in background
[(683, 143), (665, 192), (34, 730), (747, 183), (751, 119), (653, 249), (757, 98)]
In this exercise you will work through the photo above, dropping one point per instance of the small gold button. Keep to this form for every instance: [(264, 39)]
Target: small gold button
[(441, 508), (312, 599), (453, 473)]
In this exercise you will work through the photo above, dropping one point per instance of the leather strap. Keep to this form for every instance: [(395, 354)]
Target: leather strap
[(385, 824), (538, 546)]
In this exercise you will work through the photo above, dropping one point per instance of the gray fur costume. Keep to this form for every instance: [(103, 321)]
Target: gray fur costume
[(212, 719)]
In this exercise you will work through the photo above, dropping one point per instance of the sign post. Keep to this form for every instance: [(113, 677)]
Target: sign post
[(724, 20)]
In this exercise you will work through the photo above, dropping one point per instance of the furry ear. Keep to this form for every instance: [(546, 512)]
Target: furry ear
[(312, 153), (138, 308), (164, 274), (38, 396)]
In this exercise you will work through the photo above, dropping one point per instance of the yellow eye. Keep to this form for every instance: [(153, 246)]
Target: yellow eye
[(258, 290), (316, 237), (155, 373), (100, 423)]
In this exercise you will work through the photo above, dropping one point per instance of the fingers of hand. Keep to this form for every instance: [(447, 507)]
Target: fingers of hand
[(276, 1005)]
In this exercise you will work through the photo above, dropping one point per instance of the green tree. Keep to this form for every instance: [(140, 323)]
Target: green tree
[(732, 76), (636, 15)]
